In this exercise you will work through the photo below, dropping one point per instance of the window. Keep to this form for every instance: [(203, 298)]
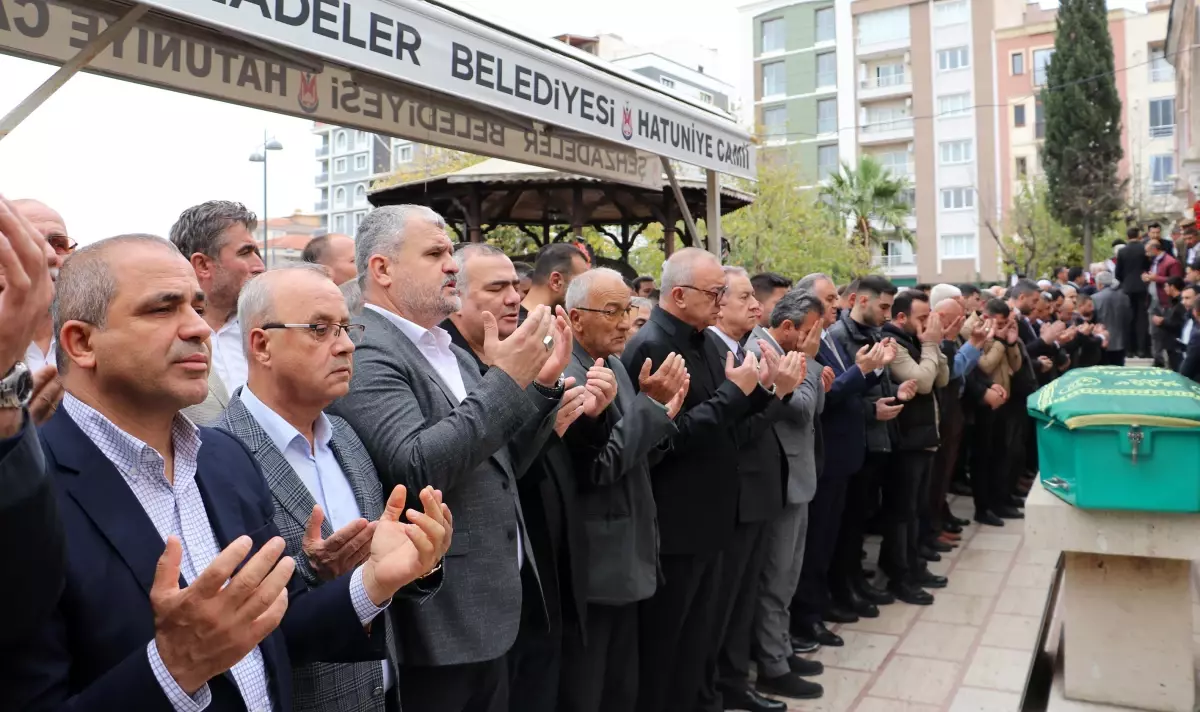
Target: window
[(339, 197), (958, 246), (339, 166), (1039, 120), (1018, 115), (951, 12), (1162, 174), (775, 121), (1022, 167), (360, 162), (774, 79), (954, 58), (404, 153), (360, 194), (958, 198), (358, 218), (883, 26), (361, 138), (1017, 63), (952, 105), (956, 152), (324, 169), (898, 162), (706, 98), (340, 141), (827, 69), (1162, 117), (1041, 60), (827, 161), (825, 24), (889, 75), (888, 118), (667, 82), (339, 223), (1160, 69), (827, 116), (772, 35)]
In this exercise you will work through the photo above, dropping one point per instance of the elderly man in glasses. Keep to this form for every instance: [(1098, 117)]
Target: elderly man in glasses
[(299, 350)]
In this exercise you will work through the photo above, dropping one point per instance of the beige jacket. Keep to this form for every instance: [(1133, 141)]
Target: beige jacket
[(933, 371), (1000, 361)]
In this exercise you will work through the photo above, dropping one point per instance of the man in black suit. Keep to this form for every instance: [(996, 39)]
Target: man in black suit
[(695, 484), (1131, 263)]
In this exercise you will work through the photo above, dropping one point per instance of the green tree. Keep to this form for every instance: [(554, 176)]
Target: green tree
[(869, 193), (1033, 242), (789, 231), (1083, 122)]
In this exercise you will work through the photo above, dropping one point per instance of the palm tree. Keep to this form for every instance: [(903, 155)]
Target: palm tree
[(870, 193)]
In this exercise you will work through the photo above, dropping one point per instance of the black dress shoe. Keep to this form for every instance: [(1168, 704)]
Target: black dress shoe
[(802, 646), (749, 699), (1017, 500), (821, 634), (837, 614), (789, 685), (952, 528), (928, 580), (1010, 513), (859, 605), (989, 519), (911, 594), (804, 667), (939, 546), (870, 594), (959, 521), (929, 554)]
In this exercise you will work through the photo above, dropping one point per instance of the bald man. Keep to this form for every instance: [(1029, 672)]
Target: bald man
[(334, 252)]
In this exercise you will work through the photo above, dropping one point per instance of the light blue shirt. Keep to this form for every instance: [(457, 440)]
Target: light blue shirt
[(965, 359), (315, 465)]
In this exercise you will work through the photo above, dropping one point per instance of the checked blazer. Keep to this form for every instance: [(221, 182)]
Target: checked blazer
[(320, 687)]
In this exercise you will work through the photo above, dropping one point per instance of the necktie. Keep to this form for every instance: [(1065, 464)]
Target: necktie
[(836, 355), (739, 355)]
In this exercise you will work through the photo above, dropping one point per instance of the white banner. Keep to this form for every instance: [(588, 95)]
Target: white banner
[(43, 31), (427, 46)]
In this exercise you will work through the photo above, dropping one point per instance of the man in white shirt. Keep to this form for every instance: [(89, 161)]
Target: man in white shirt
[(299, 345), (39, 356), (218, 239)]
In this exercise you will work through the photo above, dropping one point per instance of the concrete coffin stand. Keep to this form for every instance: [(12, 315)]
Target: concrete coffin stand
[(1125, 601)]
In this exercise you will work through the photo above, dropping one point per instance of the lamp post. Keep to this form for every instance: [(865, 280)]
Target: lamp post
[(260, 156)]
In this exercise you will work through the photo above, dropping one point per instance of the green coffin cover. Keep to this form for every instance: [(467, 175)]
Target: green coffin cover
[(1110, 395)]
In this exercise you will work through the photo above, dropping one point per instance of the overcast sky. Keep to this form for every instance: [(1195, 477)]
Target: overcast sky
[(117, 157)]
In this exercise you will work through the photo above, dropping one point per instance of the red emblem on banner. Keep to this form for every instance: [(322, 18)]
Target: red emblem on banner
[(308, 98), (627, 122)]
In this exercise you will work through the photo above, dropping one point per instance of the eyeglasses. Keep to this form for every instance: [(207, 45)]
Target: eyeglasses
[(716, 295), (321, 332), (612, 313), (62, 244)]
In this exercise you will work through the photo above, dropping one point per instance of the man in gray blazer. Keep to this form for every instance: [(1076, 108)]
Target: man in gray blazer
[(427, 417), (319, 473), (795, 326), (1113, 309), (617, 504)]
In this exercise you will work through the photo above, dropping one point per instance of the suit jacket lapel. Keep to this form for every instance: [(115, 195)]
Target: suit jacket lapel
[(94, 483), (359, 483)]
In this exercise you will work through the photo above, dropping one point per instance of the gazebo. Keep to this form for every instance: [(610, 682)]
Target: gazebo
[(549, 205)]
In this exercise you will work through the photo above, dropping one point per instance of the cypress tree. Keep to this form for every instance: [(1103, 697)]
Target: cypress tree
[(1083, 122)]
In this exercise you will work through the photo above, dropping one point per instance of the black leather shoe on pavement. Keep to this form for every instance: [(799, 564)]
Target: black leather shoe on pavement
[(789, 685), (859, 605), (929, 554), (962, 489), (837, 614), (749, 699), (821, 634), (989, 519), (911, 594), (801, 646), (1010, 513), (804, 667), (870, 594), (939, 546), (928, 580), (959, 521), (952, 528)]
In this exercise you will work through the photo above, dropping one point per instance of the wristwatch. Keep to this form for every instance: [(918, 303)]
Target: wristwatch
[(16, 388), (552, 392)]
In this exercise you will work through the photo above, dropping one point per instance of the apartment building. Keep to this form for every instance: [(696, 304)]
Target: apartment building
[(1150, 111), (1183, 35)]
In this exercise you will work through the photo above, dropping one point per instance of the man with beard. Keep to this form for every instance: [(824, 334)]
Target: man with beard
[(769, 288), (557, 264), (218, 239), (920, 359), (600, 667), (428, 417), (996, 445), (334, 252)]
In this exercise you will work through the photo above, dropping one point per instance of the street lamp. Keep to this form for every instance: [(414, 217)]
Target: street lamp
[(260, 156)]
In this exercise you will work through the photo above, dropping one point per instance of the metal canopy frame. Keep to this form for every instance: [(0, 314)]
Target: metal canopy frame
[(131, 14)]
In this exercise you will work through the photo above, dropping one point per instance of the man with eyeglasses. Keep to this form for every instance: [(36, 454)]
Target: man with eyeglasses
[(299, 349), (695, 483)]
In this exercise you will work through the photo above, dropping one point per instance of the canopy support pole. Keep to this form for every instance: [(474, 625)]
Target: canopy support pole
[(683, 206), (713, 221), (70, 68)]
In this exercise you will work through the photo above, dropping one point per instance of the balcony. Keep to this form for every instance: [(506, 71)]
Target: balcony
[(1162, 131), (321, 206), (887, 129), (1162, 74), (322, 150), (894, 261), (1162, 187), (875, 48), (884, 87), (322, 178)]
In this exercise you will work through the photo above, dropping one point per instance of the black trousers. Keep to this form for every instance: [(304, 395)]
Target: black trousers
[(1138, 340), (676, 632), (474, 687), (812, 595), (988, 459), (741, 571), (1018, 430), (601, 676), (862, 501), (535, 658), (904, 490)]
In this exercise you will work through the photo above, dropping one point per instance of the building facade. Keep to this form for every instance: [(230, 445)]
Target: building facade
[(347, 161), (1183, 34)]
